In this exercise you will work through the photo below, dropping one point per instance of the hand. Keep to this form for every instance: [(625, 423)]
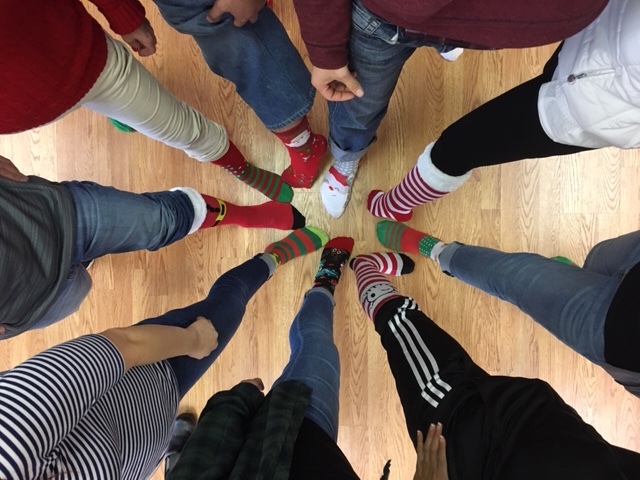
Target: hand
[(142, 40), (336, 85), (205, 338), (9, 171), (256, 382), (242, 11), (432, 455)]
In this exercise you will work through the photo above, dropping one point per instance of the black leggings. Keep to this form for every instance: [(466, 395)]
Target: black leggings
[(502, 130)]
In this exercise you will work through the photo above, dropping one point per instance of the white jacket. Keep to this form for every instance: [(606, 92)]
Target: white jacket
[(594, 98)]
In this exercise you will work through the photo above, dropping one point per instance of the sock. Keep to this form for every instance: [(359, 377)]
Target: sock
[(565, 260), (347, 169), (424, 183), (296, 244), (267, 183), (397, 236), (306, 150), (335, 191), (374, 289), (334, 256), (283, 216)]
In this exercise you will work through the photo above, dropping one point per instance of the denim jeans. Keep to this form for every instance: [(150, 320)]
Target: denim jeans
[(258, 58), (377, 52), (571, 302), (314, 359), (224, 307), (113, 221)]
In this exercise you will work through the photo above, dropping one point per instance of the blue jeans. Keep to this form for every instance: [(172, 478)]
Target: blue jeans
[(314, 359), (571, 302), (224, 307), (377, 52), (258, 58), (113, 221)]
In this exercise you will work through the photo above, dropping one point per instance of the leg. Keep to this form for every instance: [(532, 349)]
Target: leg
[(224, 307), (570, 302), (127, 92), (426, 362), (114, 221), (502, 130), (259, 59), (378, 59), (72, 294), (611, 256), (314, 358)]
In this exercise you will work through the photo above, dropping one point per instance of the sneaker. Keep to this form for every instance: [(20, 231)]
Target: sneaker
[(335, 192), (452, 55)]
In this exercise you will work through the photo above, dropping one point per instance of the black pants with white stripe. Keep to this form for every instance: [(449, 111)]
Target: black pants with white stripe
[(427, 363)]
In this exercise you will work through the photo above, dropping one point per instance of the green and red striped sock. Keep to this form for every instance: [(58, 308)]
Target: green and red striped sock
[(397, 236), (296, 244), (267, 183)]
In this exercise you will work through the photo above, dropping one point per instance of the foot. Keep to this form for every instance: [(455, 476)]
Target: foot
[(335, 192), (397, 236), (183, 428), (334, 256), (296, 244), (389, 263), (303, 171), (379, 206)]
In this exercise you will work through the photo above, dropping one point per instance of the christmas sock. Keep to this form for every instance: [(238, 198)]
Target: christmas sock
[(335, 190), (334, 256), (424, 183), (399, 237), (296, 244), (306, 150), (283, 216), (373, 288), (267, 183), (565, 260)]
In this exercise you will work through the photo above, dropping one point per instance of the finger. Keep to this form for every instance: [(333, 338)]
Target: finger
[(259, 384), (214, 14), (442, 452), (239, 22), (352, 84), (330, 93), (254, 18), (12, 173)]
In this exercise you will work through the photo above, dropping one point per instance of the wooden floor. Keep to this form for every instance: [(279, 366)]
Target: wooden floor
[(557, 206)]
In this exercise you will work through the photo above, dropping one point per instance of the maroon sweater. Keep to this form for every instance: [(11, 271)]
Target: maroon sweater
[(51, 54), (326, 24)]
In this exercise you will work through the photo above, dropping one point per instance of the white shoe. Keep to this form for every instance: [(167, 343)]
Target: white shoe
[(452, 55), (335, 195)]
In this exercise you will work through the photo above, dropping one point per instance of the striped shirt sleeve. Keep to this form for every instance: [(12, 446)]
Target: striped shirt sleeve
[(44, 398)]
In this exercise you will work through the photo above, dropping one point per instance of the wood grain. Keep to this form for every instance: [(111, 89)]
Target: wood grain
[(555, 206)]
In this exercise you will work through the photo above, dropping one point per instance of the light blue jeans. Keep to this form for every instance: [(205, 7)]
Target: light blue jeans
[(569, 301), (378, 51), (113, 221), (314, 359), (258, 58)]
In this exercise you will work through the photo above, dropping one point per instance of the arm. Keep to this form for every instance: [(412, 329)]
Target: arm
[(213, 448), (325, 28), (127, 18), (9, 171), (145, 344)]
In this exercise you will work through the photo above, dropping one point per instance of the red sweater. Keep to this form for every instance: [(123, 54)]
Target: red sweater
[(326, 24), (51, 54)]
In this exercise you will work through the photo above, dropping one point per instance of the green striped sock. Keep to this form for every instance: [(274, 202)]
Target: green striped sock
[(566, 260), (267, 183), (296, 244), (397, 236)]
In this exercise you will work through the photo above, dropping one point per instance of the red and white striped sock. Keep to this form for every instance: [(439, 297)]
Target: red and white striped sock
[(424, 183), (374, 289)]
